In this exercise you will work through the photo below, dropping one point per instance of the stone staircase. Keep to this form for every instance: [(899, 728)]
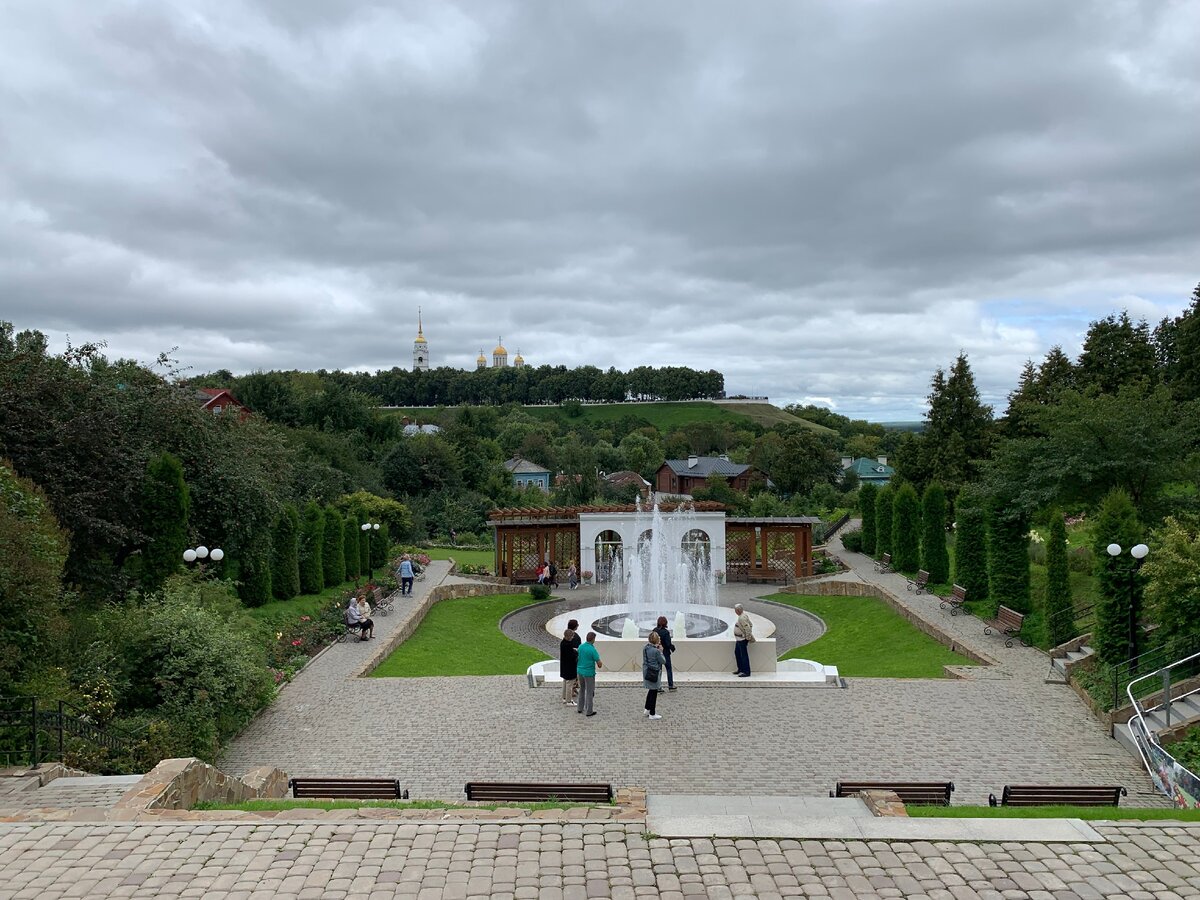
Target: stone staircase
[(1183, 712), (1062, 664), (90, 792)]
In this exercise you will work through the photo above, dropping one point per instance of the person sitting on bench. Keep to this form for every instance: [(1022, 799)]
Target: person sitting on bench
[(364, 616), (353, 618)]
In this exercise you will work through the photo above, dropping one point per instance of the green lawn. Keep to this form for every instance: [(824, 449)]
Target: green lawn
[(287, 611), (271, 805), (462, 637), (1051, 812), (473, 557), (866, 639)]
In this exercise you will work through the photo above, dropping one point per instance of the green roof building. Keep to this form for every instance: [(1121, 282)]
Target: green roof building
[(872, 471)]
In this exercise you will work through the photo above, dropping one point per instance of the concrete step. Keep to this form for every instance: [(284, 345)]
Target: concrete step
[(1077, 655), (92, 791)]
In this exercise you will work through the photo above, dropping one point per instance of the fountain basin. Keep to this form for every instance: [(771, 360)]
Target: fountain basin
[(708, 649)]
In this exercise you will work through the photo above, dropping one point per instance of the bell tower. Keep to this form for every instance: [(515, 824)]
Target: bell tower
[(420, 348)]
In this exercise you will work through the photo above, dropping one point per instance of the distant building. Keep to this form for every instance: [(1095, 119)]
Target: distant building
[(219, 401), (526, 474), (628, 478), (413, 428), (869, 471), (683, 476), (420, 347)]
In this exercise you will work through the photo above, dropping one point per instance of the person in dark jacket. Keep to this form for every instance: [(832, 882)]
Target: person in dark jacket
[(652, 666), (568, 656), (664, 637)]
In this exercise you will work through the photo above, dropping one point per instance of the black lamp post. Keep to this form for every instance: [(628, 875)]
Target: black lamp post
[(370, 528), (1138, 552)]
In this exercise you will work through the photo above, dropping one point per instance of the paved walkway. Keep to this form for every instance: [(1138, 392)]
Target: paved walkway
[(574, 862)]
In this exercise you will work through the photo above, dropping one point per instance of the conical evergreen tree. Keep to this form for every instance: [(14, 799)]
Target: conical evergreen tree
[(970, 552), (312, 549), (333, 550), (906, 530), (164, 520), (867, 495), (285, 559), (1120, 584), (255, 585), (883, 519), (1058, 604), (350, 547), (934, 558), (1008, 559)]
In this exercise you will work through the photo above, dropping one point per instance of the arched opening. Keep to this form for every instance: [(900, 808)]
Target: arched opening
[(697, 548), (608, 555), (645, 538)]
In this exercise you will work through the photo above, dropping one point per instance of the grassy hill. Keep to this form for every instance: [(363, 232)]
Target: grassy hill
[(667, 415)]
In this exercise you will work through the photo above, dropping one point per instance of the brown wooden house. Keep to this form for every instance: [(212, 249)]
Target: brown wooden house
[(683, 476)]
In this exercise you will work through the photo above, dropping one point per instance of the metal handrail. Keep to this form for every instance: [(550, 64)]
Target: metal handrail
[(30, 719), (1151, 737)]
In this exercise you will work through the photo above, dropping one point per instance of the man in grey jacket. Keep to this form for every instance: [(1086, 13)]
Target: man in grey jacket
[(743, 633)]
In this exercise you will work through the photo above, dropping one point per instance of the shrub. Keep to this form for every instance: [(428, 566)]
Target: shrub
[(33, 551), (285, 558), (312, 549), (255, 584), (333, 548), (1058, 605), (906, 530), (934, 557), (853, 541), (540, 592), (1080, 559), (970, 552), (867, 495), (883, 520)]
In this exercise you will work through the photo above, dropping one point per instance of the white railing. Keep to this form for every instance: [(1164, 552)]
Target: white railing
[(1168, 774)]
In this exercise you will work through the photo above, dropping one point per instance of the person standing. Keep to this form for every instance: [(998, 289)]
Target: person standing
[(406, 575), (552, 574), (573, 576), (743, 633), (568, 656), (668, 647), (653, 663), (585, 670)]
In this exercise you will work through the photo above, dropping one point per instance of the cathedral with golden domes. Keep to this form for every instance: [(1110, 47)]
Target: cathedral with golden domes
[(499, 355)]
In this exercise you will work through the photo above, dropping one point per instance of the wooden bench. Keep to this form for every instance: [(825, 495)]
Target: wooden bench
[(347, 788), (519, 792), (763, 576), (884, 564), (1059, 795), (919, 582), (913, 793), (955, 600), (1007, 622)]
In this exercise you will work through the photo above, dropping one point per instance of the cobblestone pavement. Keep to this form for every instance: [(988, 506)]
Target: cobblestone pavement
[(568, 861), (435, 734)]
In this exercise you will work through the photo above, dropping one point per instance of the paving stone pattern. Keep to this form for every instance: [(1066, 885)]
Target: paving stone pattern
[(435, 734), (573, 862)]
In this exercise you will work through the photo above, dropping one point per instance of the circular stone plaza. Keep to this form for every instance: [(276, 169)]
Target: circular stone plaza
[(727, 795)]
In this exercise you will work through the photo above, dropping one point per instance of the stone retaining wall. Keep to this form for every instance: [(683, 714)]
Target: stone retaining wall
[(862, 589), (182, 783)]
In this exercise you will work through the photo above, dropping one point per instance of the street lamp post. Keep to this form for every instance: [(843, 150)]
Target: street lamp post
[(1138, 552), (201, 553), (370, 528)]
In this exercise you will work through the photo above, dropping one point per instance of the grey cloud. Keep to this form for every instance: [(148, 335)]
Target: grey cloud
[(818, 199)]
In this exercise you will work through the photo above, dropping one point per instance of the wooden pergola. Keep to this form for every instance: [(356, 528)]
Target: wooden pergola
[(769, 549), (525, 536)]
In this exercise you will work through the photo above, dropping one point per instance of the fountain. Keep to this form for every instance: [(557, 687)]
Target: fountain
[(667, 571)]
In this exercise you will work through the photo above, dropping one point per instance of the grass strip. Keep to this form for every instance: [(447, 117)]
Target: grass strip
[(462, 637), (867, 639), (1054, 812)]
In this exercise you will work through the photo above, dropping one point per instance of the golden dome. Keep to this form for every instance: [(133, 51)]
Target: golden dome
[(481, 358), (499, 351), (420, 339), (519, 358)]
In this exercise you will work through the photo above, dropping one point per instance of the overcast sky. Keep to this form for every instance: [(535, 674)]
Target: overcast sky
[(825, 201)]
